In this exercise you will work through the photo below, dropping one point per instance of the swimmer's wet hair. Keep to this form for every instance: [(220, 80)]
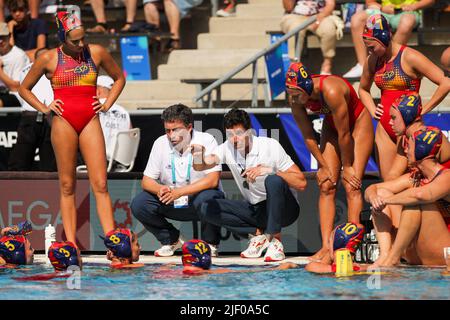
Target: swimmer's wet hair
[(178, 112), (237, 117)]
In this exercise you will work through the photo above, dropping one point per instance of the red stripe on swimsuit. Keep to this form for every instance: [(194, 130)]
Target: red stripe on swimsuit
[(75, 83), (393, 82), (355, 106)]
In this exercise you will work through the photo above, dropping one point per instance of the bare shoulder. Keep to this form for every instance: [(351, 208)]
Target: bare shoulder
[(97, 49), (333, 88), (49, 55)]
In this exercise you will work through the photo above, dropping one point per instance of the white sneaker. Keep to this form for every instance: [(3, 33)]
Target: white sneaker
[(275, 251), (169, 249), (354, 72), (214, 251), (257, 245), (229, 11)]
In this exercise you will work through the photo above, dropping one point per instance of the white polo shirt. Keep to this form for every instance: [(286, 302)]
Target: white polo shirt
[(265, 151), (159, 165), (114, 120), (42, 90)]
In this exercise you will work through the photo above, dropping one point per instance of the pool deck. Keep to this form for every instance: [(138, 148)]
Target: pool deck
[(220, 261)]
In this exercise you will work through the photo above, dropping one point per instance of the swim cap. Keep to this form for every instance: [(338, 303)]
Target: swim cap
[(12, 249), (196, 253), (66, 22), (410, 107), (377, 28), (427, 142), (298, 78), (62, 255), (348, 236), (23, 228), (119, 242)]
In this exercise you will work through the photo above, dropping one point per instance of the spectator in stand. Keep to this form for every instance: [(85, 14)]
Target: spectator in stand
[(175, 11), (34, 129), (32, 4), (98, 6), (27, 33), (298, 11), (115, 119), (12, 61), (402, 15), (229, 10)]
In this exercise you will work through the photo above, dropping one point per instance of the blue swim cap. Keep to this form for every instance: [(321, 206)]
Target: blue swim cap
[(378, 28), (62, 255), (297, 77), (409, 106), (196, 253), (23, 228), (347, 235), (119, 242), (427, 142), (12, 249)]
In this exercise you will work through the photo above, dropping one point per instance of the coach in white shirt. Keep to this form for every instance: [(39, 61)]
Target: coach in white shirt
[(266, 177), (172, 189)]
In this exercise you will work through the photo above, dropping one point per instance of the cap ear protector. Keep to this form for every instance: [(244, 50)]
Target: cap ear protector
[(12, 249), (410, 107), (427, 143), (63, 255), (119, 242), (297, 77), (196, 253), (377, 28), (347, 236)]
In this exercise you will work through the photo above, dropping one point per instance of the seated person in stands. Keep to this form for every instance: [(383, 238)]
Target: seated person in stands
[(12, 61), (115, 119), (344, 236), (171, 188), (27, 33), (123, 247), (267, 179), (15, 250), (175, 11), (298, 11), (402, 15), (98, 6), (32, 4), (424, 225)]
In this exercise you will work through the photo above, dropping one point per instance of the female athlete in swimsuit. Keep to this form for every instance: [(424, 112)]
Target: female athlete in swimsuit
[(423, 229), (346, 140), (396, 70), (72, 69)]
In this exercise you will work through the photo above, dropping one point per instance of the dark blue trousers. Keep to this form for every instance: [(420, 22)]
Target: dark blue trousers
[(279, 210), (152, 213)]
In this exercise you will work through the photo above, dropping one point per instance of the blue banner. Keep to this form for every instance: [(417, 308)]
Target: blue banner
[(135, 58), (309, 163), (277, 63)]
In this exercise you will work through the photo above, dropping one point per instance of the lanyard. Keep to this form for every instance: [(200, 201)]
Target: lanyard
[(188, 174)]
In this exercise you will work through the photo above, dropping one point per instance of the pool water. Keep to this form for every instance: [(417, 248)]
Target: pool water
[(150, 282)]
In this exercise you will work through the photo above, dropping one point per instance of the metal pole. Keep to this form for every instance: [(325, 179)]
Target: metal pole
[(255, 84), (214, 7), (260, 54)]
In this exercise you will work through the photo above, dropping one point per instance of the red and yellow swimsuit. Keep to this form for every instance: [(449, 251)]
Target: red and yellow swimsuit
[(75, 83), (393, 82), (355, 106)]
